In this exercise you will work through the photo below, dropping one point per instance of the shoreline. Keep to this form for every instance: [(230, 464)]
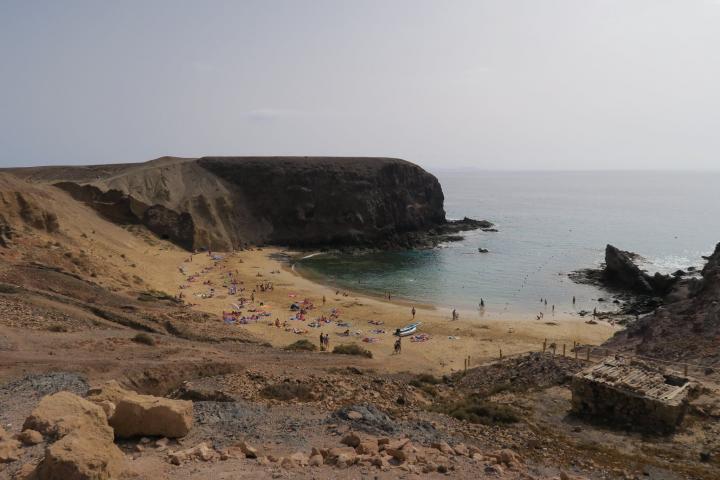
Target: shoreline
[(323, 282), (450, 342), (294, 259)]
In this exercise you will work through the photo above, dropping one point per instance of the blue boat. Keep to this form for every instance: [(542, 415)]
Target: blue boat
[(407, 330)]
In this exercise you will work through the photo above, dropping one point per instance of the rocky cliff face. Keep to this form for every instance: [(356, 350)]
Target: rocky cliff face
[(229, 202)]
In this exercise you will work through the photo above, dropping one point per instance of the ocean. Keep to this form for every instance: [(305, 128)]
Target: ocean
[(550, 224)]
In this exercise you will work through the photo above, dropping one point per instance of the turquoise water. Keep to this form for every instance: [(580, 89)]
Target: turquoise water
[(549, 225)]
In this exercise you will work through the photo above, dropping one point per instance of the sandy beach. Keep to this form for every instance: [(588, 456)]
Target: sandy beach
[(479, 336)]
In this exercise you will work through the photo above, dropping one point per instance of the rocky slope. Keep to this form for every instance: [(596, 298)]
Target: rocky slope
[(230, 202), (686, 327), (23, 206)]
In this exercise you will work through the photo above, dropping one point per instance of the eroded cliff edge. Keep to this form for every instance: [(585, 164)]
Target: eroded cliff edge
[(232, 202)]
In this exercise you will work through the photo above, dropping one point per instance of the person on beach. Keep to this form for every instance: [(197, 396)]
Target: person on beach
[(323, 299), (413, 312), (322, 342), (398, 346)]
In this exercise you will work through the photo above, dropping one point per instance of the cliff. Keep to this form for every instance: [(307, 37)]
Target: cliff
[(231, 202)]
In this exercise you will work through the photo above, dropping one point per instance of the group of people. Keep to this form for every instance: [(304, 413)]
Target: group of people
[(324, 342)]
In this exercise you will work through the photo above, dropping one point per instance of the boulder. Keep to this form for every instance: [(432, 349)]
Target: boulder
[(111, 392), (286, 463), (351, 440), (443, 447), (380, 461), (200, 452), (396, 444), (30, 437), (353, 415), (368, 447), (132, 414), (299, 458), (84, 449), (407, 453), (342, 456), (62, 413), (9, 450), (87, 453), (138, 415), (248, 450), (461, 449)]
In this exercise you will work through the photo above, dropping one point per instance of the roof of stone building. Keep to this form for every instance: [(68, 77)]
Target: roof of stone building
[(637, 378)]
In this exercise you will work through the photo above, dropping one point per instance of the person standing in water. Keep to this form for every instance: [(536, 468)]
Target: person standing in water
[(573, 299), (482, 303)]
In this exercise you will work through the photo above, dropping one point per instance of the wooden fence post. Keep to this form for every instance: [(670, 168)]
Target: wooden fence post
[(544, 345), (588, 353), (563, 349), (685, 369), (501, 354)]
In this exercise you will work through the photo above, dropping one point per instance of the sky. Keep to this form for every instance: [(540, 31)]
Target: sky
[(487, 84)]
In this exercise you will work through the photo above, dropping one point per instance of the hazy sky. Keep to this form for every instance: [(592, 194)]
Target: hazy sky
[(502, 84)]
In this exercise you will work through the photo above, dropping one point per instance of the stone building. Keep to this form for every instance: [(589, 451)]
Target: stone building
[(630, 394)]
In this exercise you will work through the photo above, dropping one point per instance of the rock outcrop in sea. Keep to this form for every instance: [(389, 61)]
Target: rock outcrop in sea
[(620, 273), (639, 291), (223, 203)]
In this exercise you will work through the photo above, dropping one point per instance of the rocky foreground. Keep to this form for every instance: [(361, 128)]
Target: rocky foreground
[(508, 420)]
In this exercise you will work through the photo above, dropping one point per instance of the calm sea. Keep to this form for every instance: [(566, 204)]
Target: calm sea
[(549, 225)]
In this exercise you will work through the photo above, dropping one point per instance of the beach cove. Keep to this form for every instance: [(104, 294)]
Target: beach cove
[(480, 337)]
